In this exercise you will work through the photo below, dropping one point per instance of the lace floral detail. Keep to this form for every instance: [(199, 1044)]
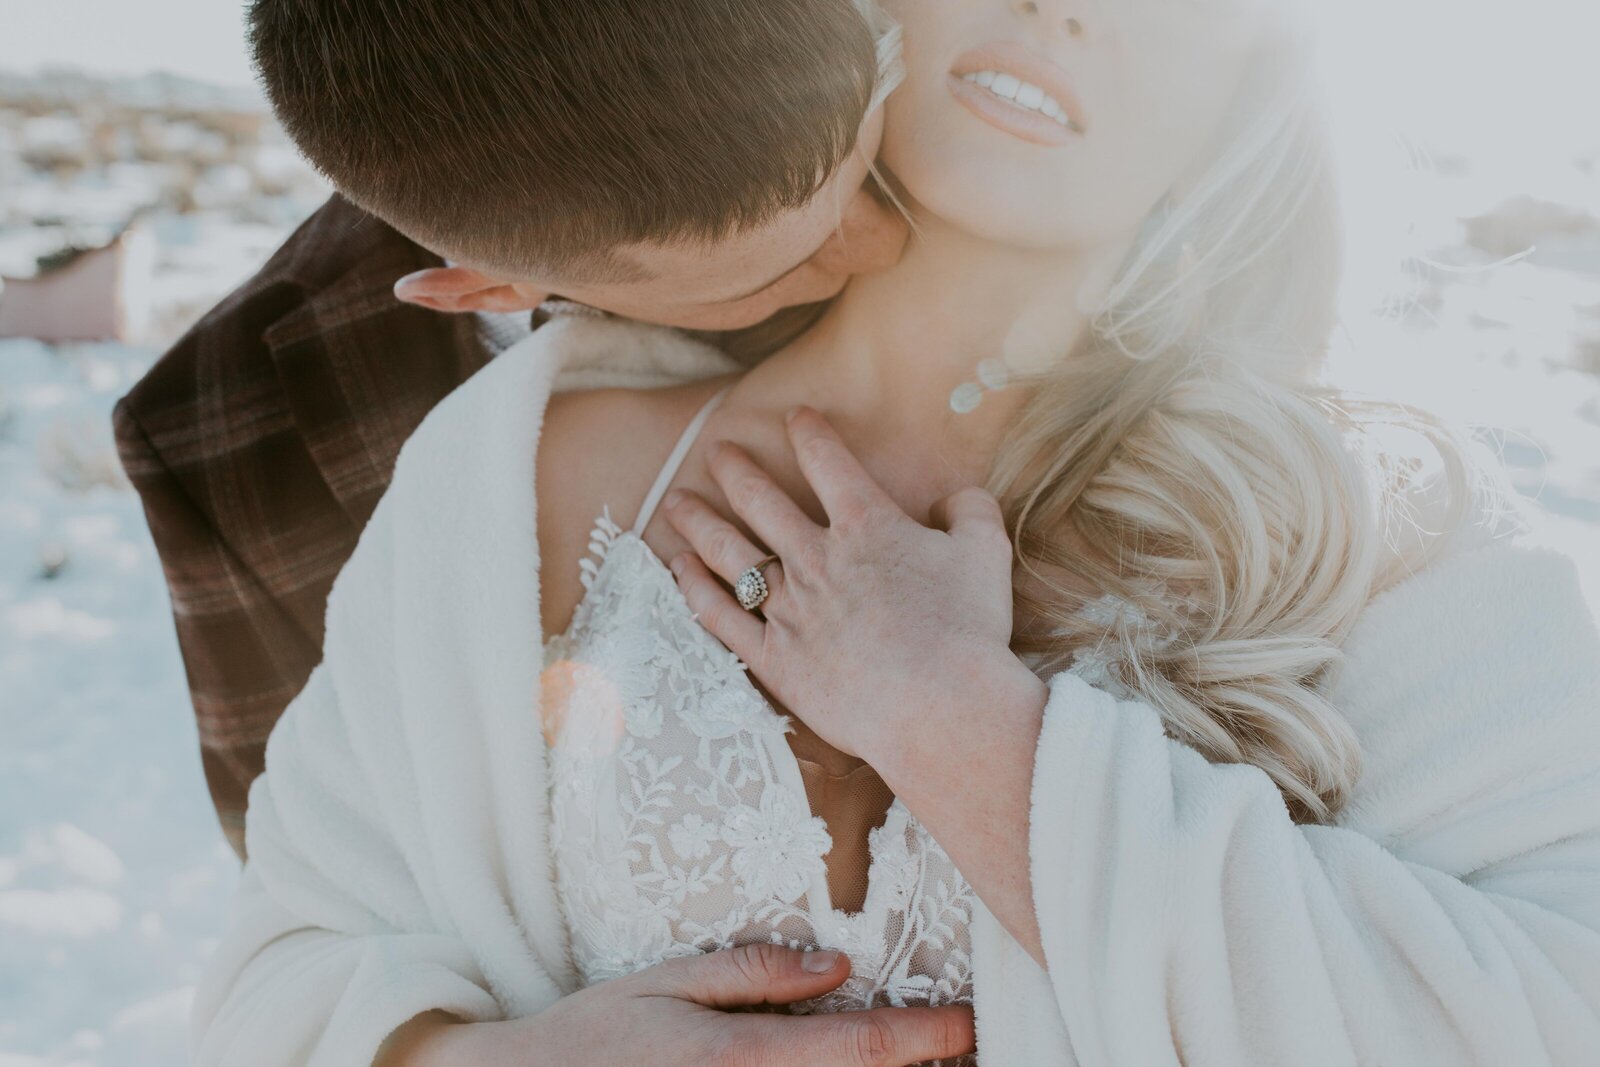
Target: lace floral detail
[(724, 713), (778, 847), (679, 820), (692, 836)]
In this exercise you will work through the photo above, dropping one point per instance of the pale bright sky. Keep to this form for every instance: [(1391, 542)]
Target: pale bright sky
[(202, 39)]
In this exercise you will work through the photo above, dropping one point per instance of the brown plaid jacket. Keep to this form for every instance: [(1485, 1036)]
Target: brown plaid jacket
[(260, 445)]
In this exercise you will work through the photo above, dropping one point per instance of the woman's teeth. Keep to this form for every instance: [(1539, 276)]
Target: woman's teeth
[(1023, 94)]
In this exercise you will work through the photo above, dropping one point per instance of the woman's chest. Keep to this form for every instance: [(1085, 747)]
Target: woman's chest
[(680, 821)]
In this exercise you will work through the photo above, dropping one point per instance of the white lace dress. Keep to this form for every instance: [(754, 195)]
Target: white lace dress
[(680, 823)]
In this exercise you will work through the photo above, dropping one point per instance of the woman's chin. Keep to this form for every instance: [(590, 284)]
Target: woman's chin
[(991, 200), (1003, 220), (989, 196)]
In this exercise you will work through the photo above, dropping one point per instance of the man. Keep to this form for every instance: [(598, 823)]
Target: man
[(262, 442), (698, 163)]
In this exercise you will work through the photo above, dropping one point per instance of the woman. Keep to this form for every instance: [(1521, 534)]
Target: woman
[(1199, 536)]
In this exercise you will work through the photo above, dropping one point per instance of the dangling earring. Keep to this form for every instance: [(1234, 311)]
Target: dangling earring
[(993, 376)]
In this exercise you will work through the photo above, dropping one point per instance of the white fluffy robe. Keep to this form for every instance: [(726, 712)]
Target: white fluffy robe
[(398, 840)]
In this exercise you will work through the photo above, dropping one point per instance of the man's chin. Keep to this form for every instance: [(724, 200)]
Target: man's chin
[(752, 344)]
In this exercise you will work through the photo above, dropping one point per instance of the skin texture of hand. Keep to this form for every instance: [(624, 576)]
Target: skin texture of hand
[(857, 610), (677, 1014), (889, 638)]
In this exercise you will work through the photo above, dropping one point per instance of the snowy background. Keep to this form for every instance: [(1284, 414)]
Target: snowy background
[(114, 879)]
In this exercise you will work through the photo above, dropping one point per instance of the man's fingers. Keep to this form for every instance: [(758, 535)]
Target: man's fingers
[(882, 1037), (842, 484), (746, 976), (771, 974)]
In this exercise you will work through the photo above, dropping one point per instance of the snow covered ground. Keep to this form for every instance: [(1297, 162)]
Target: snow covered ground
[(113, 877)]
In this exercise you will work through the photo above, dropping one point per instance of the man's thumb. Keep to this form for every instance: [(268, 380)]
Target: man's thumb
[(748, 975)]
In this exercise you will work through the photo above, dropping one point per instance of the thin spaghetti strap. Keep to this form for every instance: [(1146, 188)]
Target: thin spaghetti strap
[(679, 453)]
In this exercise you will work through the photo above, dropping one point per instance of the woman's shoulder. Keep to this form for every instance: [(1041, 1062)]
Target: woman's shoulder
[(586, 394), (623, 393), (600, 452), (474, 462), (573, 352), (603, 447)]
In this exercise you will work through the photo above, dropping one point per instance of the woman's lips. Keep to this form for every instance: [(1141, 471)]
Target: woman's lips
[(1015, 90)]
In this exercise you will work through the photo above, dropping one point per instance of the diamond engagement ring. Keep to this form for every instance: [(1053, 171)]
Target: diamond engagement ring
[(751, 588)]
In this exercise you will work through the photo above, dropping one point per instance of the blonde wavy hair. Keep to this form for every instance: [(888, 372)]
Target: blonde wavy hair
[(1194, 515)]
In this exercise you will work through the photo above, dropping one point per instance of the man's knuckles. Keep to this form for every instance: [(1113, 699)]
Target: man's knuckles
[(748, 974), (762, 967), (870, 1040)]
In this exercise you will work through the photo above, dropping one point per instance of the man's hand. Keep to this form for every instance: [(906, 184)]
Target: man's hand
[(677, 1014)]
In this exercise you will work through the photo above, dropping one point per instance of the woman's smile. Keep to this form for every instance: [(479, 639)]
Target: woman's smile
[(1014, 89)]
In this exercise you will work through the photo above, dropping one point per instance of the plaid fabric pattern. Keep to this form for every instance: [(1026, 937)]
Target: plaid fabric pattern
[(260, 445)]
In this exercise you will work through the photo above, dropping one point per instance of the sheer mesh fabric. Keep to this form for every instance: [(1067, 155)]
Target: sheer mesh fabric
[(688, 815), (683, 822), (852, 804)]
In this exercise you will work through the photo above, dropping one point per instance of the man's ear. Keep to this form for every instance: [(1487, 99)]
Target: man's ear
[(465, 289)]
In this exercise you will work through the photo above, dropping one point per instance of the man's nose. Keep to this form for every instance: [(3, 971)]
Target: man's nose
[(871, 237)]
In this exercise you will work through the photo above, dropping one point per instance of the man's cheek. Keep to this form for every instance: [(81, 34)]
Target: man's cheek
[(874, 239)]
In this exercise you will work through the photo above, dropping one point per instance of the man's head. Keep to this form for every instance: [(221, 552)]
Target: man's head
[(685, 162)]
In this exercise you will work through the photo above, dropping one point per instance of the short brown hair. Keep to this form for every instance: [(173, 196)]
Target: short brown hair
[(539, 135)]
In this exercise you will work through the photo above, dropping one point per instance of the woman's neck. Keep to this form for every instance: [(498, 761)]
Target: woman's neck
[(886, 357)]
